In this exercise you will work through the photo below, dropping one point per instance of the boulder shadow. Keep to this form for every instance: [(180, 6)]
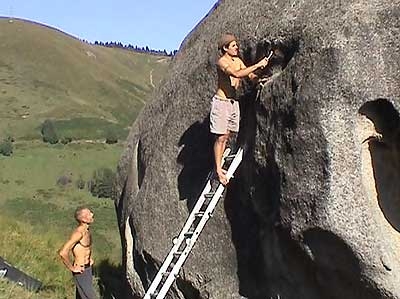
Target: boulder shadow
[(337, 270), (246, 200), (197, 158), (110, 280), (385, 155)]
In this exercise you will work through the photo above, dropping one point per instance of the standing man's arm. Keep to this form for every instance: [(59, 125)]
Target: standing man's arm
[(64, 252), (228, 69), (251, 76)]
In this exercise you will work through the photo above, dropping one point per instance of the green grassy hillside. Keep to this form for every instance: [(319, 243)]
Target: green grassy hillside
[(47, 74), (87, 91)]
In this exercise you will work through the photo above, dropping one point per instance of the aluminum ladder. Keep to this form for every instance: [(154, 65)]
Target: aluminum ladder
[(195, 223)]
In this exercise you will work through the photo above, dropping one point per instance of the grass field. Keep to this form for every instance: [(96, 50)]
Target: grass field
[(89, 129), (37, 215)]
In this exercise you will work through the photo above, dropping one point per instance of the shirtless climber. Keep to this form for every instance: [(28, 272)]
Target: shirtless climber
[(225, 114), (80, 244)]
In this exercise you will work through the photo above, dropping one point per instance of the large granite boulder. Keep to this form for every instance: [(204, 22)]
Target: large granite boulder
[(314, 210)]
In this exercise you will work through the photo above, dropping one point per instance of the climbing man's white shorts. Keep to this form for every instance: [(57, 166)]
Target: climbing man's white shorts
[(224, 115)]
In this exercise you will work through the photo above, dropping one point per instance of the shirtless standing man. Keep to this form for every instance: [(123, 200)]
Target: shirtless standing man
[(225, 114), (80, 244)]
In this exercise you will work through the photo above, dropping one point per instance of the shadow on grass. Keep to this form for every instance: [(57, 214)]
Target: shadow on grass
[(50, 288), (110, 280)]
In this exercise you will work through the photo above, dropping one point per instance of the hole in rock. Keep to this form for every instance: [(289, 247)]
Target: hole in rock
[(384, 147), (283, 51)]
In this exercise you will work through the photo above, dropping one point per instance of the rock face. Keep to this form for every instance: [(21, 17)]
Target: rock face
[(314, 211)]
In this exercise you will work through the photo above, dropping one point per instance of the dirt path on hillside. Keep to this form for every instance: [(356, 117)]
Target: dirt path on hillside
[(151, 78)]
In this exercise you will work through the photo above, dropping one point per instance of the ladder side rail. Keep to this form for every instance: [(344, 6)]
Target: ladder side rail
[(216, 197), (175, 271), (192, 216), (167, 261), (207, 188), (213, 203), (235, 163)]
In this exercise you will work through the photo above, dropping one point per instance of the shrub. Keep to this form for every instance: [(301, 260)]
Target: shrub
[(80, 183), (63, 180), (49, 132), (10, 138), (111, 137), (19, 182), (101, 184), (65, 140), (6, 147)]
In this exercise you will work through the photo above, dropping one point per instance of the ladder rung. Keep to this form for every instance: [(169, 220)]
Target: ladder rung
[(178, 253), (167, 273), (202, 213), (209, 195), (189, 233), (226, 152), (230, 157)]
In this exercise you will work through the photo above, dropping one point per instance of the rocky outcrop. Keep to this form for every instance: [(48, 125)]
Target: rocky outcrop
[(314, 209)]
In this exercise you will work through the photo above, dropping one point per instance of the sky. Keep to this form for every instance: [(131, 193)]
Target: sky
[(158, 24)]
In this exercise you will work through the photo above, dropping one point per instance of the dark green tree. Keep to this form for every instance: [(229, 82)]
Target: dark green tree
[(6, 147), (111, 137), (49, 132), (102, 182)]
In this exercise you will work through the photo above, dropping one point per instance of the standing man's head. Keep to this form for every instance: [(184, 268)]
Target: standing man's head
[(228, 44), (84, 215)]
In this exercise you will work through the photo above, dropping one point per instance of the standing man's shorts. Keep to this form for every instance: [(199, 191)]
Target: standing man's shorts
[(224, 115), (84, 284)]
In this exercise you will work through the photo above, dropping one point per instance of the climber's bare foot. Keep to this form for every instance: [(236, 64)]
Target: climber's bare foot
[(222, 176)]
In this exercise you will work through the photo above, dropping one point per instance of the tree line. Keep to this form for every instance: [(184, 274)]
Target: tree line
[(130, 47)]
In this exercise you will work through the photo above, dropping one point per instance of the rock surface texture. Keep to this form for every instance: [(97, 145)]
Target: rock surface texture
[(314, 210)]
